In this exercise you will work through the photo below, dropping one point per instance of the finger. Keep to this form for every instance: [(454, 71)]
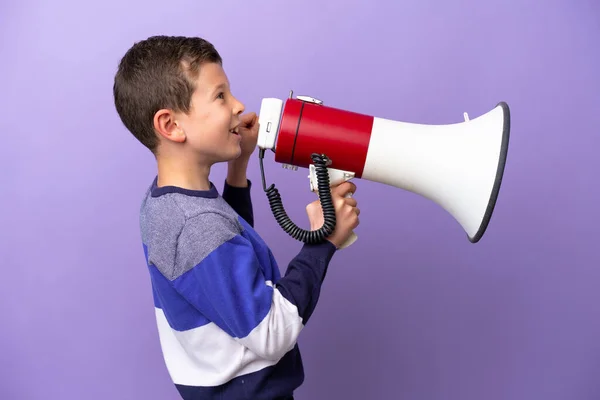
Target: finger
[(344, 188), (248, 116), (339, 203), (350, 201), (248, 119)]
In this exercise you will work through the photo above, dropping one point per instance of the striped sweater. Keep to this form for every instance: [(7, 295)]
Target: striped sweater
[(228, 322)]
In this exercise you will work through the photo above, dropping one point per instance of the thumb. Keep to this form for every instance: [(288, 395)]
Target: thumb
[(344, 188), (249, 118)]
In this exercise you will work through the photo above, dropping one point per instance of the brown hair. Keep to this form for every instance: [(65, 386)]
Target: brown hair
[(157, 73)]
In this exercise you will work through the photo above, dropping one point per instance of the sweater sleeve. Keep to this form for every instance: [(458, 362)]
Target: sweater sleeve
[(239, 199), (222, 278)]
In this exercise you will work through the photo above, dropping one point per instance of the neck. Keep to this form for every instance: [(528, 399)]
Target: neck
[(183, 173)]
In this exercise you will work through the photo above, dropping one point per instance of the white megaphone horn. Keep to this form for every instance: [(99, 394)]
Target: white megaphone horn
[(458, 166)]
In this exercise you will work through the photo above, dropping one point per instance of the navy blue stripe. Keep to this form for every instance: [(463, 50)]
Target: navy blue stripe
[(157, 191), (271, 383), (228, 287), (301, 284), (239, 199)]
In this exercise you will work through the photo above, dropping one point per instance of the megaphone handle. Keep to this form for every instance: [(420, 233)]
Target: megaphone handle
[(352, 237), (349, 241), (336, 177)]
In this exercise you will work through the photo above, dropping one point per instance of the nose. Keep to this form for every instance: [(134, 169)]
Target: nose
[(238, 106)]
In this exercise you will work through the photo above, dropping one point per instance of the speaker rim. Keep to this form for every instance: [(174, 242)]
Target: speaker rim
[(499, 174)]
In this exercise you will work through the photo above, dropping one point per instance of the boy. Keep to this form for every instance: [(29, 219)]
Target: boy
[(227, 322)]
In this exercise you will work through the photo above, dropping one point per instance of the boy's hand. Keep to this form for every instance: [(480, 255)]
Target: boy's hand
[(248, 130), (346, 212)]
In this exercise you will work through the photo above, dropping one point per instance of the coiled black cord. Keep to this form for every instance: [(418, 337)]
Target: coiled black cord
[(324, 191)]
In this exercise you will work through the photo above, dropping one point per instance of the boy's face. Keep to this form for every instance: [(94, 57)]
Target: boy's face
[(209, 128)]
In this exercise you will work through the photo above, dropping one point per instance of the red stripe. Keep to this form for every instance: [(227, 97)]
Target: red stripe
[(341, 135)]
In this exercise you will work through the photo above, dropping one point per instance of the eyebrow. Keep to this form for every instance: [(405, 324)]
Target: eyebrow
[(221, 86)]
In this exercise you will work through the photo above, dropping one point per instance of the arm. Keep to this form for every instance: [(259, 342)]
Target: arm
[(236, 190), (226, 283)]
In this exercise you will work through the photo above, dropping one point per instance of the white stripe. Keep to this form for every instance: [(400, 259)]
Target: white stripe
[(208, 356), (278, 332), (204, 356)]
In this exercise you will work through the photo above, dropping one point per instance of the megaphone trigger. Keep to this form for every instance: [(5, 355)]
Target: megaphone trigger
[(336, 176)]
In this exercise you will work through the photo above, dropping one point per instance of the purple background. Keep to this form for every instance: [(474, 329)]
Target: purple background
[(427, 315)]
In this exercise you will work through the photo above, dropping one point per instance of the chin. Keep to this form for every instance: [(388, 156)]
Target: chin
[(235, 155)]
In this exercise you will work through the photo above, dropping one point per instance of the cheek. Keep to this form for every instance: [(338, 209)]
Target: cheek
[(216, 119), (225, 118)]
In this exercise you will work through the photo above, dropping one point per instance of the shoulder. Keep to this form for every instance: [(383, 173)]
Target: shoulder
[(210, 227), (205, 235), (178, 237), (170, 213), (160, 217), (161, 223)]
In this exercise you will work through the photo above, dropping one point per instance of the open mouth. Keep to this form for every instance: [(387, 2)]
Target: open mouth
[(234, 131)]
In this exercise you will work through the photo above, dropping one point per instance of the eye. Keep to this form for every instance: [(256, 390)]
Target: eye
[(221, 95)]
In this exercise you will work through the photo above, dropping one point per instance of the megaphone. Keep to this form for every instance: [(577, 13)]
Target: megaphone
[(458, 166)]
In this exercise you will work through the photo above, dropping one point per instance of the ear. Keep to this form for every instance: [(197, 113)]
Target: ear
[(167, 126)]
